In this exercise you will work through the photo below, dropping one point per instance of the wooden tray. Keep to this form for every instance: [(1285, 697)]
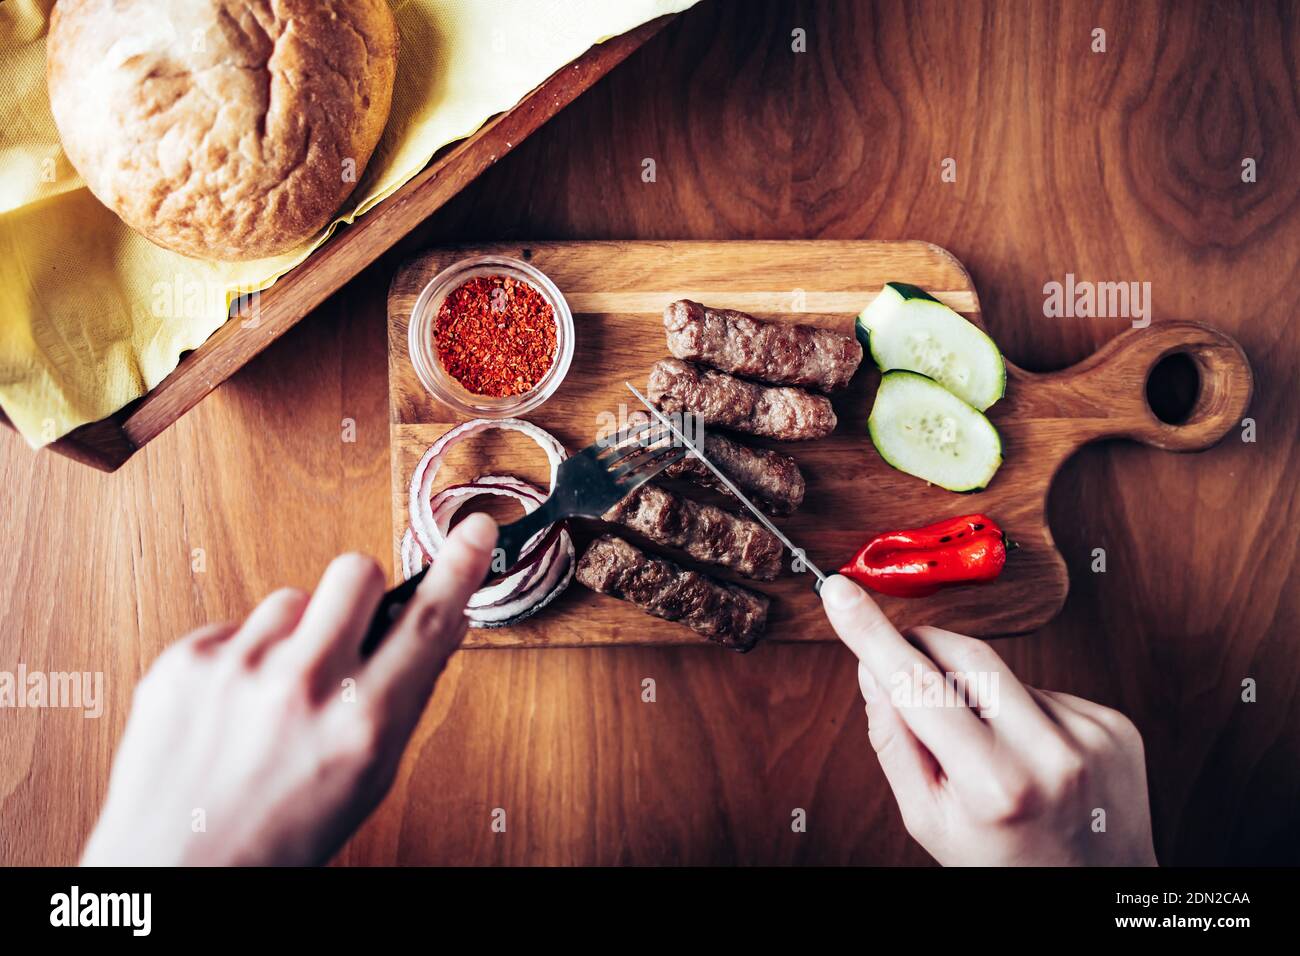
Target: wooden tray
[(617, 291), (108, 443)]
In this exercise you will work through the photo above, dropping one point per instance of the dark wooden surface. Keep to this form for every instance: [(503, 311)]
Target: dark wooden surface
[(1117, 166)]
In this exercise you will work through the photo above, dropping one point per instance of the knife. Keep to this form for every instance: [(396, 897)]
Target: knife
[(799, 554)]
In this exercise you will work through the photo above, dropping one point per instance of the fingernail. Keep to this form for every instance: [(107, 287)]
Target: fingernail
[(479, 531), (840, 593)]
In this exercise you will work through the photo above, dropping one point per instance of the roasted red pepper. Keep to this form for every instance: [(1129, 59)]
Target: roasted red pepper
[(918, 562)]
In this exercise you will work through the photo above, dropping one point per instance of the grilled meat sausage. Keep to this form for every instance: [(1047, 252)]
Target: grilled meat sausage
[(704, 532), (787, 414), (726, 614), (779, 353), (767, 477)]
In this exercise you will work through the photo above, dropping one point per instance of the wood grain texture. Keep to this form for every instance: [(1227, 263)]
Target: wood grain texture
[(852, 493), (108, 443), (1117, 166)]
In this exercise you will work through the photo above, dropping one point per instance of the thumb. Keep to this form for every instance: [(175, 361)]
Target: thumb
[(861, 625)]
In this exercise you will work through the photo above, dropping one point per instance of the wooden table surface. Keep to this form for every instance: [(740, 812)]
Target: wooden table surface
[(1124, 165)]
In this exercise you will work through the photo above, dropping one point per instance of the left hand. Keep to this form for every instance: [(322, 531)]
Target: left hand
[(270, 741)]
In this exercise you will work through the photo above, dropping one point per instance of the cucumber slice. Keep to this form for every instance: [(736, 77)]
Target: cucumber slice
[(906, 328), (920, 427)]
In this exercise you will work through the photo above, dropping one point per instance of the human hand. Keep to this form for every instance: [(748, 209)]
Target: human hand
[(1004, 774), (271, 741)]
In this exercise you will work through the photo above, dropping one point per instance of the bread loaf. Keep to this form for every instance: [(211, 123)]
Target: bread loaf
[(222, 129)]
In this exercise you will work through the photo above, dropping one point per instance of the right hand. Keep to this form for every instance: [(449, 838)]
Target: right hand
[(1005, 774)]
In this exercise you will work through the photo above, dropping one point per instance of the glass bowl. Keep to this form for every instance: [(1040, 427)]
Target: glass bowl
[(423, 346)]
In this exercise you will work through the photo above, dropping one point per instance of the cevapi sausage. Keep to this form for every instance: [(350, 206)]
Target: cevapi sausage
[(768, 478), (725, 613), (779, 353), (784, 413), (703, 531)]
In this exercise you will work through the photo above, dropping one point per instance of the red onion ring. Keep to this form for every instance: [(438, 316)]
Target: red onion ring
[(421, 494), (547, 562), (449, 501)]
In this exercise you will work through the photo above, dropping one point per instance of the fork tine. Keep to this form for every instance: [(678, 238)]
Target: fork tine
[(618, 438), (633, 474), (632, 460), (611, 454)]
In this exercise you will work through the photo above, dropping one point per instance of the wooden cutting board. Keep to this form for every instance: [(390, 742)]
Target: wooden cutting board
[(617, 291)]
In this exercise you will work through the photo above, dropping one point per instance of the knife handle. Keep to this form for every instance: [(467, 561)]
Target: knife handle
[(390, 608), (511, 539)]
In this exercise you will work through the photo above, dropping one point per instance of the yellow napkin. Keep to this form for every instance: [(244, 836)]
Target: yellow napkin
[(92, 315)]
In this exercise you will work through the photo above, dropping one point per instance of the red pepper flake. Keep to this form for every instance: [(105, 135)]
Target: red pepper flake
[(496, 335)]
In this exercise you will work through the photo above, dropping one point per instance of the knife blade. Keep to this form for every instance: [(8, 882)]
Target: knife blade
[(800, 555)]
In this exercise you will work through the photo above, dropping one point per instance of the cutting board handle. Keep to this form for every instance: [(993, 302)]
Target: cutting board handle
[(1105, 396)]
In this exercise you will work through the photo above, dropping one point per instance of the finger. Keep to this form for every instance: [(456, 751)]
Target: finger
[(209, 637), (1098, 712), (993, 690), (335, 621), (910, 769), (1111, 724), (954, 735), (1081, 728), (271, 621), (432, 624)]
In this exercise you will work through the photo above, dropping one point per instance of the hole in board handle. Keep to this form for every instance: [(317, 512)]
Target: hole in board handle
[(1173, 386)]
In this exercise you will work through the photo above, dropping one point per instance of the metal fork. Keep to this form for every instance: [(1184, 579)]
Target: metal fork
[(586, 486)]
